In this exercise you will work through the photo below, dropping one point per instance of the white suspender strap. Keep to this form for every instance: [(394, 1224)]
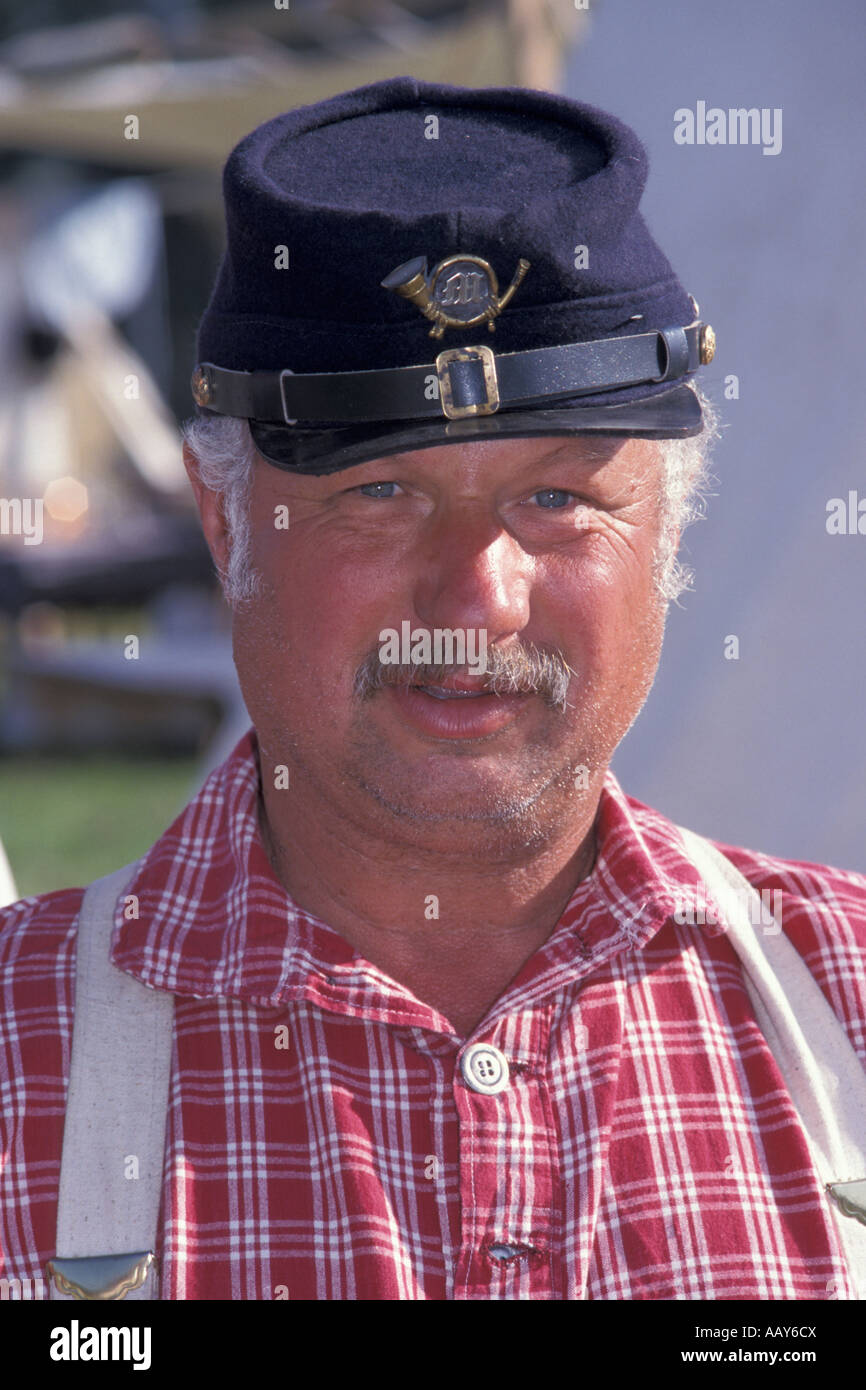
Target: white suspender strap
[(822, 1072), (114, 1135)]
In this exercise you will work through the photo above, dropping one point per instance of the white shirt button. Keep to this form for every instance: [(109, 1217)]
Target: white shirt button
[(484, 1069)]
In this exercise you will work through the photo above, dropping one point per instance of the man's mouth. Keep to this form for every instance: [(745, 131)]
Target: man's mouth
[(454, 687), (439, 692), (491, 711)]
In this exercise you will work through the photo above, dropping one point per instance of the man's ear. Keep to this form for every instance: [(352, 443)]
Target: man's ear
[(210, 509)]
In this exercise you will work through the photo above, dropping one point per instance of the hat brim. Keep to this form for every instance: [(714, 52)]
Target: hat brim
[(674, 414)]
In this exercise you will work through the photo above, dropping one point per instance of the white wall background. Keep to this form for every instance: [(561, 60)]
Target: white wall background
[(767, 751)]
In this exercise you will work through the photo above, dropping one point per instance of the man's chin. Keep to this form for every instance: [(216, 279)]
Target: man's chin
[(452, 807), (466, 808)]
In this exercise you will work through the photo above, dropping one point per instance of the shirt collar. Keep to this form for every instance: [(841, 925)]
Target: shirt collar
[(205, 915)]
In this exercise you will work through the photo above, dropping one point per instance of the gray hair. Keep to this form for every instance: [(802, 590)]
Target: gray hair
[(226, 456), (685, 479)]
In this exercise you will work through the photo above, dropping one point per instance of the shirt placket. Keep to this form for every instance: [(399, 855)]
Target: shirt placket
[(509, 1219)]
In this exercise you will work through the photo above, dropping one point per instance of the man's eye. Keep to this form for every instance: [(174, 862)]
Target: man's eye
[(377, 489), (554, 497)]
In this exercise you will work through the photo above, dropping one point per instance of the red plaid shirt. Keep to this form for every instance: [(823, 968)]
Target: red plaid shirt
[(644, 1148)]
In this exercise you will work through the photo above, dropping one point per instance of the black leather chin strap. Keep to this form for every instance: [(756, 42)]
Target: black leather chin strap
[(461, 382)]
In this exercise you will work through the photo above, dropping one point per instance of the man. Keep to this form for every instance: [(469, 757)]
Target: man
[(453, 1017)]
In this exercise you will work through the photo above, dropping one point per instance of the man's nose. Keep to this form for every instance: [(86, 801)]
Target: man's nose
[(473, 574)]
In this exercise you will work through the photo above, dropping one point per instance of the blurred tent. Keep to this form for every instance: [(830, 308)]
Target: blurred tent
[(85, 271), (86, 434), (199, 77)]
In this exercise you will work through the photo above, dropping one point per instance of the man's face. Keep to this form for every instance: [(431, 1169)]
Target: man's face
[(532, 542)]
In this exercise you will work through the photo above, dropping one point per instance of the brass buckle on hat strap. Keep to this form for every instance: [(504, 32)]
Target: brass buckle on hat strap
[(470, 381), (468, 384)]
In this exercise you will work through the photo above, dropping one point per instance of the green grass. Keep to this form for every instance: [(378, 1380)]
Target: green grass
[(64, 822)]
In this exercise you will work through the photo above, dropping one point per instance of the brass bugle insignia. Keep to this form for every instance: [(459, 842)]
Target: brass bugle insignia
[(459, 292)]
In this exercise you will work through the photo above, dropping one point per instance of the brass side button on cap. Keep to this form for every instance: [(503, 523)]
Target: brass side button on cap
[(707, 345), (202, 386), (484, 1069)]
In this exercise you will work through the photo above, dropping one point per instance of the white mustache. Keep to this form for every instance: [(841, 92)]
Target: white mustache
[(511, 671)]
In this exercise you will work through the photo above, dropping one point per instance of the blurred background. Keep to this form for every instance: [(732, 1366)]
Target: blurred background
[(117, 690)]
